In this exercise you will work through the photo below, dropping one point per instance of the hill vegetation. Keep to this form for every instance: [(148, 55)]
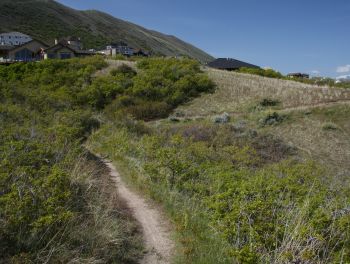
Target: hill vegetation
[(57, 203), (240, 190), (47, 20), (236, 191)]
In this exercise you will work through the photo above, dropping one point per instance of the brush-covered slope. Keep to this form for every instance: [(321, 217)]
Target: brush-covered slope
[(47, 19), (237, 92)]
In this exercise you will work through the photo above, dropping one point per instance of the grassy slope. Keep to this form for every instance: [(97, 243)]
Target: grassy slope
[(237, 92), (310, 108), (47, 20), (206, 203)]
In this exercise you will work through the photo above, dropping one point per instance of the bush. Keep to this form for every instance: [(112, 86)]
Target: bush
[(261, 72), (123, 69), (329, 126), (272, 119), (269, 102), (159, 86)]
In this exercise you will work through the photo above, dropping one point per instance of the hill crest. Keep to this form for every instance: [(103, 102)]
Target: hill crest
[(48, 19)]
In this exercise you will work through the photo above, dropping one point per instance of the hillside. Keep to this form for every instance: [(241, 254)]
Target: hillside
[(47, 19), (317, 118), (267, 185)]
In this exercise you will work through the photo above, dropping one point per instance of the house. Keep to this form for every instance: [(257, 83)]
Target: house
[(140, 53), (73, 42), (30, 51), (230, 64), (4, 52), (14, 39), (65, 49), (118, 48), (298, 75)]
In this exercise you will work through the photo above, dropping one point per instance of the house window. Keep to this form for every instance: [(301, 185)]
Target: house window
[(65, 56), (51, 56)]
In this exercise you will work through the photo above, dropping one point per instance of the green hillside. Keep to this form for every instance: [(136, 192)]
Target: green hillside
[(47, 19)]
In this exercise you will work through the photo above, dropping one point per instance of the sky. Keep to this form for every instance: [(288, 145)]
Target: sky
[(311, 36)]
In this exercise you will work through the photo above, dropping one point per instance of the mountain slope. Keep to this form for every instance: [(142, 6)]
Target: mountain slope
[(47, 19)]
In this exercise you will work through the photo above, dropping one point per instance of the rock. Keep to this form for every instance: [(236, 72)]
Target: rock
[(239, 126), (222, 119), (174, 119)]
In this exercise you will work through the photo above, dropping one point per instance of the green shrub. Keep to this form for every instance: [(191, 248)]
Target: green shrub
[(261, 72), (269, 102), (123, 69), (329, 126), (272, 119)]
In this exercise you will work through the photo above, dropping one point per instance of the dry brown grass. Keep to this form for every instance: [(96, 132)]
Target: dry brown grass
[(114, 64), (324, 135), (236, 92)]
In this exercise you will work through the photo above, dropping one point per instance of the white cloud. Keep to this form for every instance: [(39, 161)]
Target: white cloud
[(343, 69), (315, 72)]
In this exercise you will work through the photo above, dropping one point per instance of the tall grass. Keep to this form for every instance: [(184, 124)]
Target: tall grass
[(236, 92)]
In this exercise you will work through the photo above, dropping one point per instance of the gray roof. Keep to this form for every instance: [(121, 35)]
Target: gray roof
[(227, 63)]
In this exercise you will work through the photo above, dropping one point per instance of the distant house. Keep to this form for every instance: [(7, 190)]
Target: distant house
[(14, 39), (36, 50), (30, 51), (140, 53), (65, 49), (4, 52), (298, 75), (230, 64), (118, 48)]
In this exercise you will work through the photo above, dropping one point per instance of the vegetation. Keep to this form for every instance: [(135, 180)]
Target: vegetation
[(230, 203), (270, 73), (160, 86), (51, 205), (319, 81), (238, 93), (235, 192)]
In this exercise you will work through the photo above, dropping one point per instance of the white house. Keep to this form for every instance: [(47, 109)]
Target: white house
[(118, 48), (14, 38)]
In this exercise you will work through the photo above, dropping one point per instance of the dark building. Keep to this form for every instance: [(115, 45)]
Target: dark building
[(299, 75), (141, 53), (66, 48), (29, 51), (4, 51), (230, 64)]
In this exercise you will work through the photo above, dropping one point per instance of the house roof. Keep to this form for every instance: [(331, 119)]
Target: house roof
[(71, 38), (25, 44), (67, 46), (59, 46), (227, 63)]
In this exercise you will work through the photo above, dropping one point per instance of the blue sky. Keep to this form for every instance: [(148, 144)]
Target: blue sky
[(310, 36)]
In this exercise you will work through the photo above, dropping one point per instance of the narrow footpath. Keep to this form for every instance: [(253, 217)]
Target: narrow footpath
[(156, 229)]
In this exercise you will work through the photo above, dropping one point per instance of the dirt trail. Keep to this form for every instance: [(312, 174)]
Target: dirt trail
[(156, 229)]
